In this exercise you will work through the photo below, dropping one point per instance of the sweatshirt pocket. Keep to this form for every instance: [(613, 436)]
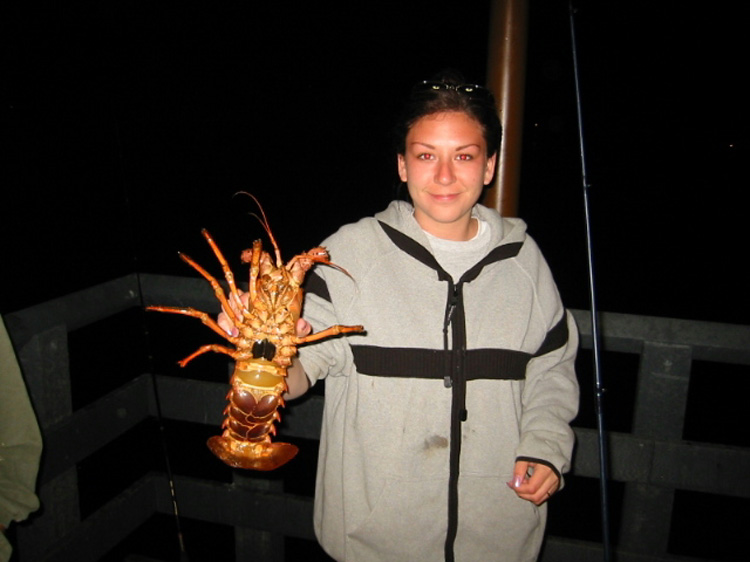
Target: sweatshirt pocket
[(408, 522), (495, 524)]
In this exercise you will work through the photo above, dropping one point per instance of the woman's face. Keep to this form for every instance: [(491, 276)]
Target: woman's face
[(445, 167)]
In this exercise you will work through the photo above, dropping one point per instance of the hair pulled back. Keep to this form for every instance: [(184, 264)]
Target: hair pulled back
[(425, 101)]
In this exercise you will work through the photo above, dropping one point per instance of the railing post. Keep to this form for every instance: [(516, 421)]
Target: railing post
[(44, 361), (663, 380), (663, 383), (256, 544)]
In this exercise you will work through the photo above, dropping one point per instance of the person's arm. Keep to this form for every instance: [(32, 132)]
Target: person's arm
[(20, 444), (550, 402), (296, 381)]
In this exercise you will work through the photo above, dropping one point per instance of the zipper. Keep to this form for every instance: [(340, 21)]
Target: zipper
[(455, 378), (450, 309)]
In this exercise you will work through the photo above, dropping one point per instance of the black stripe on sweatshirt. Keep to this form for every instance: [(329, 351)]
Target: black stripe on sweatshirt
[(420, 363), (314, 285), (556, 337), (405, 362)]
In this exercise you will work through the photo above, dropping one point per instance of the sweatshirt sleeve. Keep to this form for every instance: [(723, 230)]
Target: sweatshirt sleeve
[(319, 359), (330, 356), (550, 402), (329, 294), (20, 440), (550, 394)]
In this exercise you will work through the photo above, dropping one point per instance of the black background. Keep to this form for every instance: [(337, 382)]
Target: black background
[(131, 125)]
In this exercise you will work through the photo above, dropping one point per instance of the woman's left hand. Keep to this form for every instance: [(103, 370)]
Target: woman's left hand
[(536, 488)]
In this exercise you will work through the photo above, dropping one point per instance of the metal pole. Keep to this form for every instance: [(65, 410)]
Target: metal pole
[(506, 76), (595, 331)]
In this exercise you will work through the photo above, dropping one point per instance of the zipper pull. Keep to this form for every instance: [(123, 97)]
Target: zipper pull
[(449, 314), (451, 309), (453, 299)]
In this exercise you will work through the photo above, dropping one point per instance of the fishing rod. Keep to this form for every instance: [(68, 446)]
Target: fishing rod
[(151, 369), (595, 331)]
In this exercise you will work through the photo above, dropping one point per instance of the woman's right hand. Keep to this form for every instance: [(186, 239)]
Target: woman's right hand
[(303, 328), (224, 320)]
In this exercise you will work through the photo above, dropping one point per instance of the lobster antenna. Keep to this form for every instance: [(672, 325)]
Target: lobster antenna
[(264, 223)]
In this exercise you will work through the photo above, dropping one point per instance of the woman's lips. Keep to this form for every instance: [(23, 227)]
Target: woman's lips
[(444, 197)]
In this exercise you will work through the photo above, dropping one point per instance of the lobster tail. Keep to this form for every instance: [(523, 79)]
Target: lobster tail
[(254, 456), (254, 400)]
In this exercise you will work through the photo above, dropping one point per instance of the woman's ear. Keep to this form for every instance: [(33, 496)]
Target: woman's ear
[(401, 167), (490, 168)]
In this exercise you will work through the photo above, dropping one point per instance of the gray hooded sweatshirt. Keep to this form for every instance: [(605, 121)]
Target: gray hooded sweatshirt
[(453, 381)]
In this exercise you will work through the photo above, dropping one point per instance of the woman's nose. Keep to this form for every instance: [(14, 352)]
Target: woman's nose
[(444, 174)]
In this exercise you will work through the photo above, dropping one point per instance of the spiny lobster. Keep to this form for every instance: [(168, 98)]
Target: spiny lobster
[(265, 320)]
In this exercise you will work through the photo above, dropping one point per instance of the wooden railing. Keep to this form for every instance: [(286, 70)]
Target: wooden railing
[(90, 512)]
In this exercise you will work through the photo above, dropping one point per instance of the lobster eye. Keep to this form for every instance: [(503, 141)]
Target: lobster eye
[(264, 349)]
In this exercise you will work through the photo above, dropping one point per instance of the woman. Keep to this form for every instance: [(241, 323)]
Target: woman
[(446, 425)]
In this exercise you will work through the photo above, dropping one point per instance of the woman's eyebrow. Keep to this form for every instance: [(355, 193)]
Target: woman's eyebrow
[(462, 147)]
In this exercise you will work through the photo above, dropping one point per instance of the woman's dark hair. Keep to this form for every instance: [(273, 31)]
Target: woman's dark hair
[(447, 91)]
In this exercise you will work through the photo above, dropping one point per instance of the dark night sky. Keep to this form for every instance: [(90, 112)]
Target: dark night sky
[(130, 125)]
